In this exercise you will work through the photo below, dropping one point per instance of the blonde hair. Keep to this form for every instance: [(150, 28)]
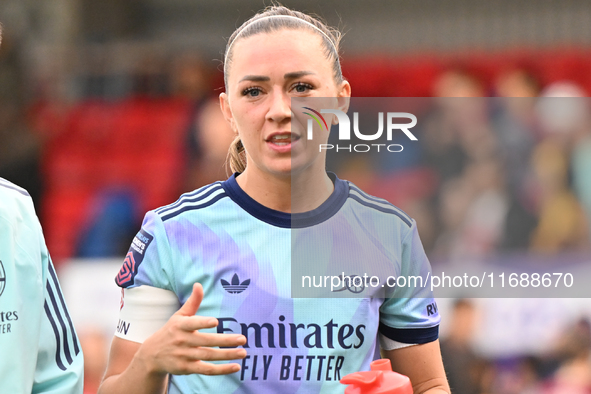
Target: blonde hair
[(236, 153), (272, 19)]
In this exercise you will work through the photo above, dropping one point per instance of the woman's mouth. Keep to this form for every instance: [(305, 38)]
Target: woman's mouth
[(282, 142)]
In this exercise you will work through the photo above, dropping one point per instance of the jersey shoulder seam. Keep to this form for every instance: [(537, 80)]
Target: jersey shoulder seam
[(379, 204), (201, 198), (7, 185)]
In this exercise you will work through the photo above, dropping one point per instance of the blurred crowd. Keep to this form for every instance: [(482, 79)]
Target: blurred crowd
[(487, 177), (564, 369)]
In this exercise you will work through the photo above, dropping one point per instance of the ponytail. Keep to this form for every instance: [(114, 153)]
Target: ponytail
[(236, 155)]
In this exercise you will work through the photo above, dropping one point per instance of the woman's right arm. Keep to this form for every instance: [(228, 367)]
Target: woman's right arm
[(178, 348)]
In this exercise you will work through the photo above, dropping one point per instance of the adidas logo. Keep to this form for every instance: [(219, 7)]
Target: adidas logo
[(235, 287)]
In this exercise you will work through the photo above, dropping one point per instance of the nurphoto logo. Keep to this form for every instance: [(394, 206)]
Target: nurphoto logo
[(345, 130)]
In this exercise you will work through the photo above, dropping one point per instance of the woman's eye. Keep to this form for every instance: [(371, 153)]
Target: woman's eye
[(302, 87), (252, 92)]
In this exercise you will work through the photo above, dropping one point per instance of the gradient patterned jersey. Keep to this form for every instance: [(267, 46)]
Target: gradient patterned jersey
[(241, 252), (40, 352)]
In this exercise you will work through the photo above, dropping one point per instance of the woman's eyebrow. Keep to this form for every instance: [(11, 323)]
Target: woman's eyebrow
[(255, 78), (297, 74)]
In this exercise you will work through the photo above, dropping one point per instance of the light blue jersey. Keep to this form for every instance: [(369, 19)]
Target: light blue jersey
[(39, 350), (241, 252)]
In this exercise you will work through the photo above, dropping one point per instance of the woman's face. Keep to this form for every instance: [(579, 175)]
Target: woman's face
[(266, 72)]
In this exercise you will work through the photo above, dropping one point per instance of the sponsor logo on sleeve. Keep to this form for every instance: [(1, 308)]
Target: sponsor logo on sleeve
[(133, 259), (5, 317), (2, 278)]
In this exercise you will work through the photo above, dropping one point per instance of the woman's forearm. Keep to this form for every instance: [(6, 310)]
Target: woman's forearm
[(137, 378)]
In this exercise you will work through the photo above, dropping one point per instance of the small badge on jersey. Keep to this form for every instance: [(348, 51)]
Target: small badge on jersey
[(235, 286), (2, 278), (134, 258)]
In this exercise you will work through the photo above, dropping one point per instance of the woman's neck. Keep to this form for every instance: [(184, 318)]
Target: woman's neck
[(292, 193)]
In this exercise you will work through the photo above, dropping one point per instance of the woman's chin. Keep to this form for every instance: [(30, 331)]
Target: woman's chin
[(289, 166), (282, 169)]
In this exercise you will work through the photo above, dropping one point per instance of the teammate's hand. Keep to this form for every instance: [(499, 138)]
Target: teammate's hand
[(179, 348)]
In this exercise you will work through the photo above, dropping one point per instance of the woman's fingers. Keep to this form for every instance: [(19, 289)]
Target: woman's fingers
[(179, 347), (192, 323), (205, 368), (214, 340), (210, 354), (189, 360), (192, 304)]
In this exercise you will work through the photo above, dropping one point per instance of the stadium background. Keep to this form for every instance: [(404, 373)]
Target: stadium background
[(108, 109)]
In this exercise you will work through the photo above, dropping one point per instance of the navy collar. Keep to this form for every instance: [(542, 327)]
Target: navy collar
[(283, 219)]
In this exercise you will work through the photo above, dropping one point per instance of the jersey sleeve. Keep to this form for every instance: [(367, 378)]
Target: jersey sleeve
[(410, 314), (144, 310), (148, 296), (148, 261), (60, 364)]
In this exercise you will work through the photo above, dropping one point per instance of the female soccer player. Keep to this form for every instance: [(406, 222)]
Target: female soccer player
[(231, 241)]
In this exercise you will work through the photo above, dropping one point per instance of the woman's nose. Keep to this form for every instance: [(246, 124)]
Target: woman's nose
[(280, 106)]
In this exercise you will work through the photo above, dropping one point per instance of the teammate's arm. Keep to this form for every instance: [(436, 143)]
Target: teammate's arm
[(423, 365), (178, 348), (60, 363)]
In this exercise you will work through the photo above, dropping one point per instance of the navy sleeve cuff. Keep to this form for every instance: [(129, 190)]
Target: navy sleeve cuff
[(410, 335)]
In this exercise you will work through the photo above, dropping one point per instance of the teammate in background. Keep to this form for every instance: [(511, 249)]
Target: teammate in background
[(232, 241), (40, 350), (38, 343)]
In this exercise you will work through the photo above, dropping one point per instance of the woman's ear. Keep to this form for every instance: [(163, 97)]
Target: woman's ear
[(225, 106), (344, 96)]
